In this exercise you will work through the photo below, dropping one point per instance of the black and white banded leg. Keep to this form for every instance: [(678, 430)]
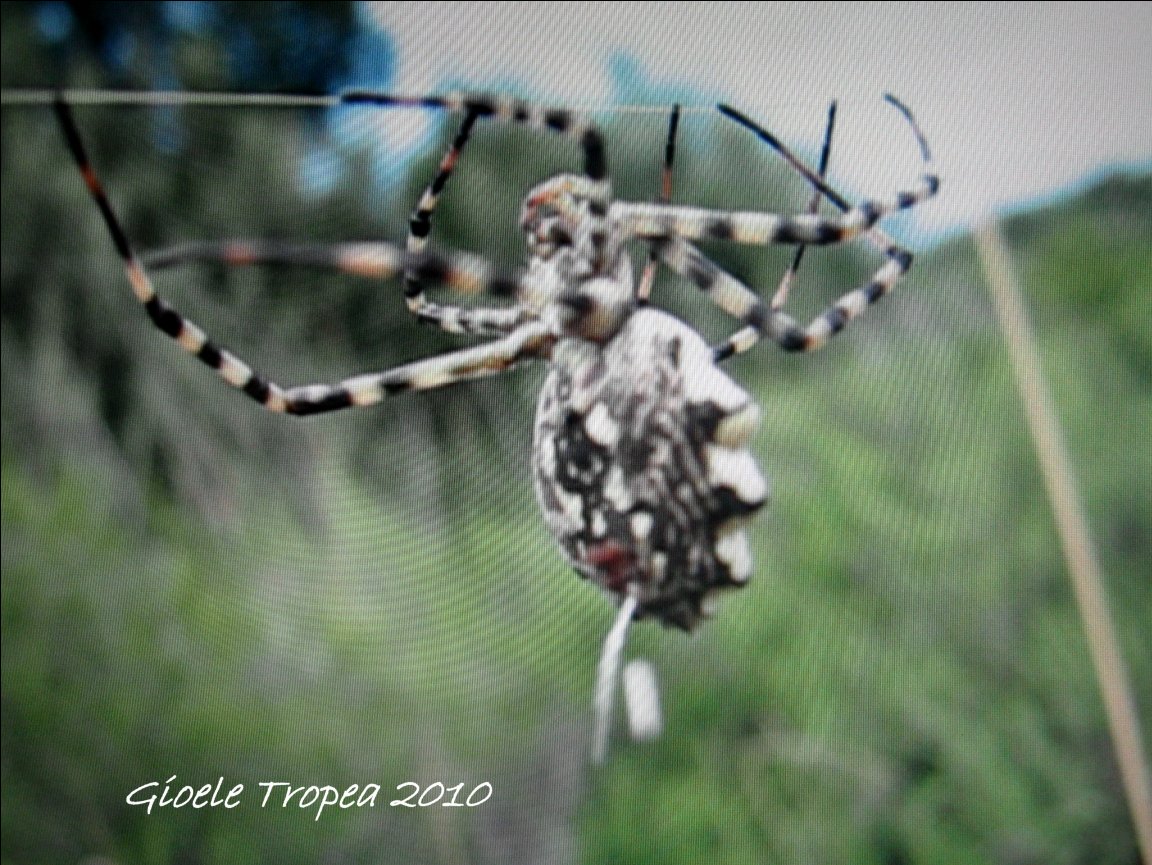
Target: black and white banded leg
[(672, 228), (732, 295), (853, 303), (780, 298), (453, 319), (594, 185), (648, 277), (462, 272)]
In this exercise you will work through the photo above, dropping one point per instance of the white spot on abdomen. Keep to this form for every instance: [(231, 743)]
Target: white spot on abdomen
[(600, 426)]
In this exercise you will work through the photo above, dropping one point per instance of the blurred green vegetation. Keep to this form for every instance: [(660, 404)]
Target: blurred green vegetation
[(194, 588)]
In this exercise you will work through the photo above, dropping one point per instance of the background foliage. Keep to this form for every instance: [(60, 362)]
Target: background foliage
[(193, 588)]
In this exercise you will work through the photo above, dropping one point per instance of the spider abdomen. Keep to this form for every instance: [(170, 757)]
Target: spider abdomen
[(641, 467)]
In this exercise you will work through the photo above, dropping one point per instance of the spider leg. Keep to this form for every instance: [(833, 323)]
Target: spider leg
[(558, 120), (454, 319), (740, 301), (648, 277), (597, 187), (755, 228), (464, 272), (729, 293), (420, 223), (673, 227), (761, 229), (852, 304), (781, 296), (461, 271), (928, 181), (723, 289), (532, 340)]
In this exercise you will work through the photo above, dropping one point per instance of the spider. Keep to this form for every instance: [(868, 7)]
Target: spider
[(640, 454)]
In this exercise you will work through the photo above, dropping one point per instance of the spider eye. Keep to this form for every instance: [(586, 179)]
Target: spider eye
[(559, 235), (580, 304)]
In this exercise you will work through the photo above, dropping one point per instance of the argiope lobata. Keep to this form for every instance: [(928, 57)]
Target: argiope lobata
[(640, 446)]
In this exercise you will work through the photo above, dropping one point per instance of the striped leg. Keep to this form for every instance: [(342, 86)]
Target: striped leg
[(533, 340), (928, 181), (467, 273), (761, 229), (723, 289), (852, 304), (749, 336), (380, 260), (454, 319), (737, 299), (741, 302), (781, 296), (461, 271), (559, 120), (927, 186), (791, 337), (657, 221), (729, 293), (648, 277), (597, 187)]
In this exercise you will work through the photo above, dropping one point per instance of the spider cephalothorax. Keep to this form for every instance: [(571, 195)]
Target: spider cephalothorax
[(564, 211), (640, 452)]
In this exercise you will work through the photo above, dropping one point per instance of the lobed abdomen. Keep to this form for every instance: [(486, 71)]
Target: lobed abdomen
[(642, 469)]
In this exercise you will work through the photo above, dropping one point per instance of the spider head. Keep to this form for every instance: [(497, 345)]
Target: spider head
[(559, 213), (578, 261)]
